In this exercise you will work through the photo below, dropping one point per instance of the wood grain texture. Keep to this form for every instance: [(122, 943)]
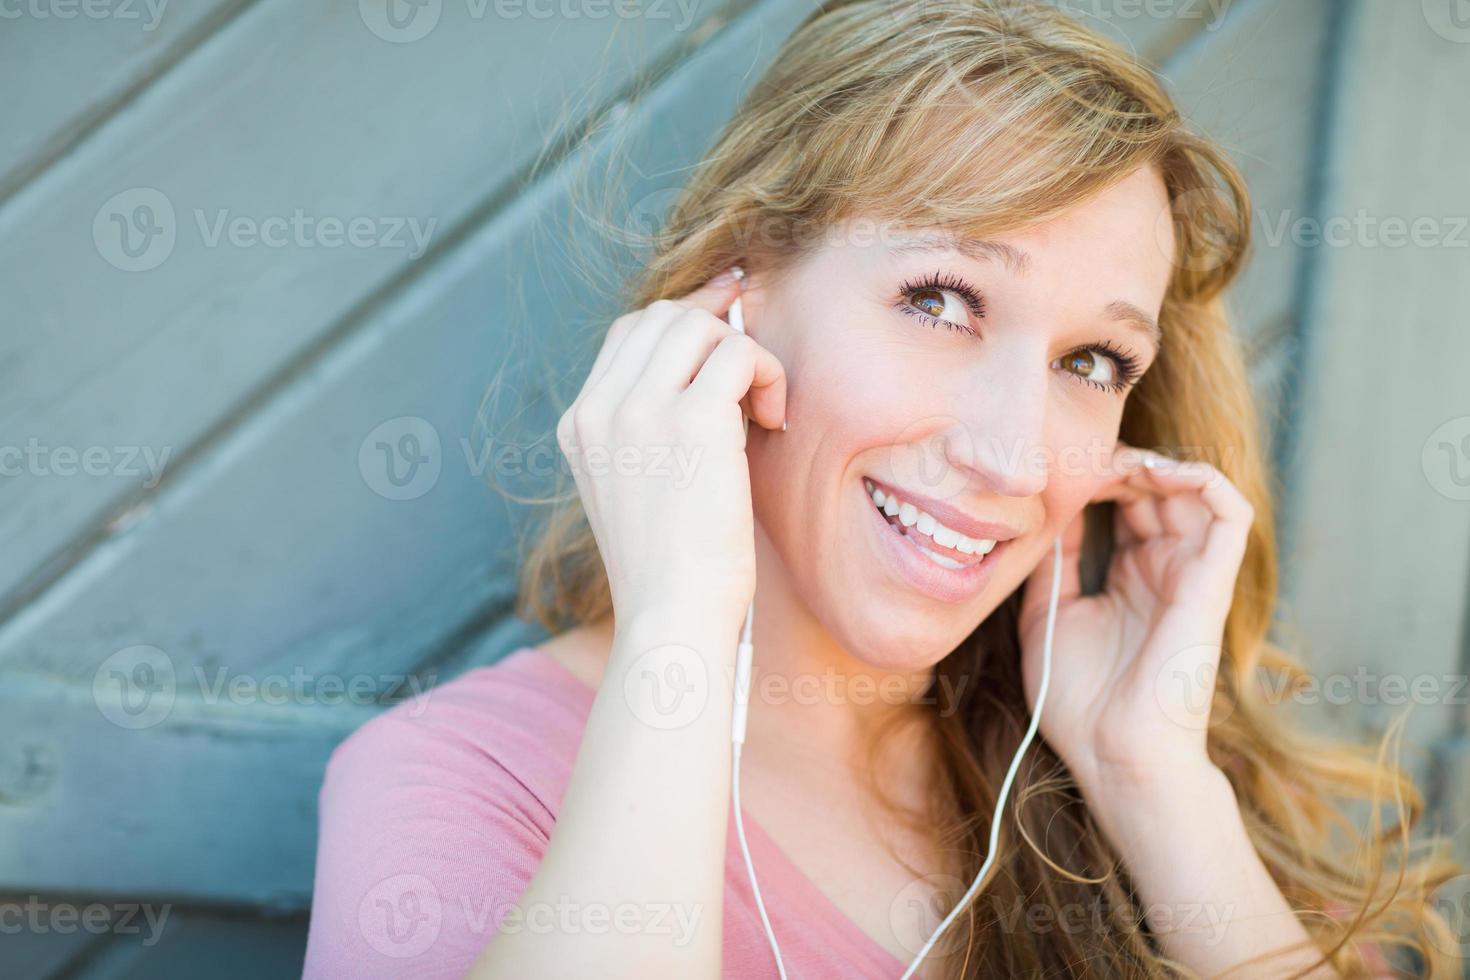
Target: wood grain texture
[(237, 178), (78, 63), (1381, 476)]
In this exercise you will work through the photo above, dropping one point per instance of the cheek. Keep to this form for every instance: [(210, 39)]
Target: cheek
[(841, 391), (1079, 467), (1065, 497)]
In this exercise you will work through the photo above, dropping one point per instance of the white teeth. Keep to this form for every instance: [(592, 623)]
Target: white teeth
[(940, 559), (909, 516)]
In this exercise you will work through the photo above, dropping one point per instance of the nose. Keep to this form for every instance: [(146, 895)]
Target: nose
[(998, 438)]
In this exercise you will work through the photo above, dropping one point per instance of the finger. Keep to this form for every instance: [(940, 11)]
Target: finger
[(682, 351), (739, 366), (1125, 482), (1153, 506), (631, 358), (1139, 509), (1226, 537), (1182, 513), (1124, 463), (648, 323), (1123, 534), (617, 332)]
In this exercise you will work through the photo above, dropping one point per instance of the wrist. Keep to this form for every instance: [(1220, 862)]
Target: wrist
[(713, 631), (1150, 809)]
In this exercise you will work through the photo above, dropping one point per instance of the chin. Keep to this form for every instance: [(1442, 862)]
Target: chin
[(888, 639)]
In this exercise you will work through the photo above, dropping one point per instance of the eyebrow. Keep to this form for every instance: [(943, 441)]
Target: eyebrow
[(1018, 262)]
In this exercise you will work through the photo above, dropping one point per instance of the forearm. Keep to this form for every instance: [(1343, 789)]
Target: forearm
[(644, 816), (1206, 891)]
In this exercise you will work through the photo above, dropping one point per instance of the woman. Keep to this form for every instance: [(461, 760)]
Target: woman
[(983, 270)]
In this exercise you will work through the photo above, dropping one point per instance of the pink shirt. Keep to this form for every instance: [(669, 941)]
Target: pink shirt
[(434, 816)]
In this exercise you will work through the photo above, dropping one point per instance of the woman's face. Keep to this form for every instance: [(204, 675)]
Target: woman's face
[(983, 386)]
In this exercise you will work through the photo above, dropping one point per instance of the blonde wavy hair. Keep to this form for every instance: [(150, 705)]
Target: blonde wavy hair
[(855, 118)]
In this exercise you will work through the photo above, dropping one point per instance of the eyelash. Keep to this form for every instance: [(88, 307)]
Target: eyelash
[(1126, 361)]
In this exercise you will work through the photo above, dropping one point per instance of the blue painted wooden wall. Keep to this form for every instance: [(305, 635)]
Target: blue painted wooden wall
[(260, 261)]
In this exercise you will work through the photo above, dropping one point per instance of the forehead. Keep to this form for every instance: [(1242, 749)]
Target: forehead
[(1122, 238)]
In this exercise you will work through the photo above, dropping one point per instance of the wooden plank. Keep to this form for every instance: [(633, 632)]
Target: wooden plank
[(1380, 518), (43, 935), (283, 554), (1252, 84), (75, 62), (283, 544), (239, 178), (120, 805), (198, 943)]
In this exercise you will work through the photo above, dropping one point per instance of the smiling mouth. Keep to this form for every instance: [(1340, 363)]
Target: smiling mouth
[(941, 545)]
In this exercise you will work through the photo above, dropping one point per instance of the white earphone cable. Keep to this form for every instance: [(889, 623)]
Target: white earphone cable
[(744, 655), (1005, 786)]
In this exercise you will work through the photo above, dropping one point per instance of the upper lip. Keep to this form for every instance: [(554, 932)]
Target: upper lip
[(951, 517)]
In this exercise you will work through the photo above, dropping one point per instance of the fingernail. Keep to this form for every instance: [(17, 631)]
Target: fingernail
[(783, 426)]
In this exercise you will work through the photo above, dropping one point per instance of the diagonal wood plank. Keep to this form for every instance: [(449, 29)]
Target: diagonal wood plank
[(201, 241), (77, 62)]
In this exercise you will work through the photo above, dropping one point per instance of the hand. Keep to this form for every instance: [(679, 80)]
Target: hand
[(657, 446), (1133, 667)]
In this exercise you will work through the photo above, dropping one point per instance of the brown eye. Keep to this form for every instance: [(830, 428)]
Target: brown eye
[(941, 299), (1086, 364), (941, 304), (931, 301)]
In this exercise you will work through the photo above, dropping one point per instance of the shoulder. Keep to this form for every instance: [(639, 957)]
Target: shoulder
[(522, 716), (436, 813)]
